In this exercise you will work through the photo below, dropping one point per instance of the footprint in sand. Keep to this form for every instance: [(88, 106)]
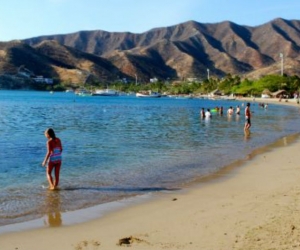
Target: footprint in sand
[(88, 245)]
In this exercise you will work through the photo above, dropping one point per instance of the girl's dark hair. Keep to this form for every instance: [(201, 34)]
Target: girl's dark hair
[(51, 133)]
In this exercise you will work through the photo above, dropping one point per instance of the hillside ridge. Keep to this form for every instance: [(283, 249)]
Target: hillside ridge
[(185, 50)]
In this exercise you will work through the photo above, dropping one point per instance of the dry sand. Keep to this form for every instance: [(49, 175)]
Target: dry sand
[(252, 206)]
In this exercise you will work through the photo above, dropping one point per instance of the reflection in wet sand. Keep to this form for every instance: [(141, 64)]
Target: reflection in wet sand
[(53, 208), (247, 134)]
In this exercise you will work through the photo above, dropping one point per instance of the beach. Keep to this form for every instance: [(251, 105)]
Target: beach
[(252, 204)]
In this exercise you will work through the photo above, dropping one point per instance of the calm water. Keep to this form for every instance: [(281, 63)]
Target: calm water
[(116, 147)]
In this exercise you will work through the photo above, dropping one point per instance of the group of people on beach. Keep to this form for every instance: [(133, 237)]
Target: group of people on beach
[(207, 114)]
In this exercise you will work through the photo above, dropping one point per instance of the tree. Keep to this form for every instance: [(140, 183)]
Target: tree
[(244, 88)]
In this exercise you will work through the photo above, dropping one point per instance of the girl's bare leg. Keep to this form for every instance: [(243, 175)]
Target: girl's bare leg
[(49, 176), (57, 170)]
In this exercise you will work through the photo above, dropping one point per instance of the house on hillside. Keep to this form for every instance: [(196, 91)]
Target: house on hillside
[(153, 80), (192, 79), (41, 79)]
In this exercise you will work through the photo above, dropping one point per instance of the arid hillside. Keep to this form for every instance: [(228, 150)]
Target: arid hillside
[(186, 50), (52, 60)]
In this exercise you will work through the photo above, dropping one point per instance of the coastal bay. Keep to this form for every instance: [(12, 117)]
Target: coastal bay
[(249, 206)]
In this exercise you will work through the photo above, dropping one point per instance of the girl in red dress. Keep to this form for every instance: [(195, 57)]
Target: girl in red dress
[(53, 157)]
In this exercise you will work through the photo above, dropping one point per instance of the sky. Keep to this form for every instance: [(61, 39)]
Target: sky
[(21, 19)]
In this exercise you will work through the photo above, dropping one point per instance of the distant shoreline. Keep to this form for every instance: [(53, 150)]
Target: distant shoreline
[(288, 102)]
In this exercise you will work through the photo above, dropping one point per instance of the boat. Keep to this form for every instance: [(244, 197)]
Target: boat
[(228, 97), (105, 92), (213, 97), (148, 94), (83, 92)]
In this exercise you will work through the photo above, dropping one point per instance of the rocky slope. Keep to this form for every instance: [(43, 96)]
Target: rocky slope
[(185, 50)]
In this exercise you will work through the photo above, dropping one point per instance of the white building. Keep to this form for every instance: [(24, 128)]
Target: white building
[(41, 79)]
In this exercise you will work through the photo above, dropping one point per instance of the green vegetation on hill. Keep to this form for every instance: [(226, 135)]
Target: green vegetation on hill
[(227, 85)]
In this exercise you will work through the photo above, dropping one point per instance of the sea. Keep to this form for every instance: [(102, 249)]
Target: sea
[(116, 148)]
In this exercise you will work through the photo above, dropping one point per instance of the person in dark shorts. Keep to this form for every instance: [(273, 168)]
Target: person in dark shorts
[(247, 117)]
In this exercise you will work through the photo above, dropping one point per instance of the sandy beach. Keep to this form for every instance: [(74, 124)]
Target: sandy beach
[(253, 204)]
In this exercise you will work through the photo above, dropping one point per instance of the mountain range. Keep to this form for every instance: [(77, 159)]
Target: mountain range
[(186, 50)]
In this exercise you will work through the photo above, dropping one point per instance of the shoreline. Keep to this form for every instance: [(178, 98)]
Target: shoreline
[(202, 215), (252, 206), (287, 102)]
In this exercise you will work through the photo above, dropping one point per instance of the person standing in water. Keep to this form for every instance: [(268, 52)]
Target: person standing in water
[(238, 110), (202, 112), (230, 111), (247, 117), (207, 113), (53, 158), (221, 110)]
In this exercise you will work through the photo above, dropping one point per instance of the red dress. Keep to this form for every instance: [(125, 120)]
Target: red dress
[(55, 149)]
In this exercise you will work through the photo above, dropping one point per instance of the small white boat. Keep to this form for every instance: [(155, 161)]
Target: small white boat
[(105, 92), (213, 97), (148, 94), (228, 97), (83, 92)]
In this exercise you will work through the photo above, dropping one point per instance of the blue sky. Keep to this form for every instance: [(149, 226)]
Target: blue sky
[(20, 19)]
